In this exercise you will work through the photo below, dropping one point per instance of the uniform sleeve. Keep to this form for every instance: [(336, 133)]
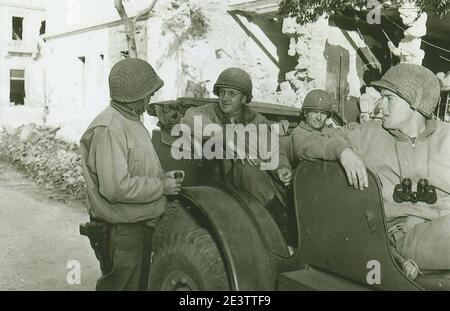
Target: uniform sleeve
[(267, 150), (271, 147), (286, 152), (329, 144), (201, 112), (116, 184)]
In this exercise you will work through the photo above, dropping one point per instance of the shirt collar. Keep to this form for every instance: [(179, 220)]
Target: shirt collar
[(305, 125), (430, 128)]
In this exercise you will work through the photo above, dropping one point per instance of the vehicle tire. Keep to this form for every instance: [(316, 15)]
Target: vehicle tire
[(188, 261), (175, 219)]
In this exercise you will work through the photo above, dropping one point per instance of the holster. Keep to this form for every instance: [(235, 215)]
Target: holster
[(99, 237)]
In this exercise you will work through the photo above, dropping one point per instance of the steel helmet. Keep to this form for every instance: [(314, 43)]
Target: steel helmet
[(133, 79), (415, 84), (235, 78), (318, 100)]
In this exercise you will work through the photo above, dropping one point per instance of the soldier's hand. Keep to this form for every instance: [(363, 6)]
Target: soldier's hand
[(354, 168), (171, 186), (285, 176)]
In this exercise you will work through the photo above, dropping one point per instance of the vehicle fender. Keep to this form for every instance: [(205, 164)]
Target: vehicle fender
[(244, 252)]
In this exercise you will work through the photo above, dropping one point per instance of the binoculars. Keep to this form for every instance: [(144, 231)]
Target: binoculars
[(425, 193)]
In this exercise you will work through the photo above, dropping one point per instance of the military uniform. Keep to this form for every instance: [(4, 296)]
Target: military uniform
[(421, 231), (291, 150), (124, 179), (242, 175), (259, 183)]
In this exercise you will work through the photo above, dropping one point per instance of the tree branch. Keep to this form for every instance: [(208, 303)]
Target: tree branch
[(130, 25), (120, 9), (145, 11), (129, 28)]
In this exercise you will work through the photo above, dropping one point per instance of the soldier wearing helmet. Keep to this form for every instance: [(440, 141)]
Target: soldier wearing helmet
[(234, 89), (409, 152), (125, 183), (317, 108)]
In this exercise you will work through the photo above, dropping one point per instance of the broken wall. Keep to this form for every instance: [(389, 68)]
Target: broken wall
[(189, 43), (327, 59)]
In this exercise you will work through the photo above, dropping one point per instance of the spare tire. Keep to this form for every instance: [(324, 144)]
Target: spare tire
[(187, 261)]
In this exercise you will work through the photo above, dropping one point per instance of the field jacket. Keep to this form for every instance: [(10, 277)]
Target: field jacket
[(122, 170), (211, 114), (291, 147), (426, 156)]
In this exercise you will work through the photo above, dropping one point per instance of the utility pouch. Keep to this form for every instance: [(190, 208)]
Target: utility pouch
[(99, 237), (408, 266)]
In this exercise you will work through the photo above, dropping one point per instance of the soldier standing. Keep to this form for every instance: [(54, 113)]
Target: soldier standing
[(125, 183)]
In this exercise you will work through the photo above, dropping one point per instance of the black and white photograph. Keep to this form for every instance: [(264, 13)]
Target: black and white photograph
[(224, 146)]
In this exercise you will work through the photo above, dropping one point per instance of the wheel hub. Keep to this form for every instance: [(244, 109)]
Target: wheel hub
[(178, 280)]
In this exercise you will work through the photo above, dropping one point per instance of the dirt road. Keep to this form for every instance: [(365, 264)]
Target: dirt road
[(39, 237)]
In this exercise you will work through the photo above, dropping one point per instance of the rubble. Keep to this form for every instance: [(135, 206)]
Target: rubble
[(444, 80), (408, 49), (49, 161)]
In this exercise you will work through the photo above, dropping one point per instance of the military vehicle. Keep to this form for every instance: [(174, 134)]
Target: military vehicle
[(217, 237)]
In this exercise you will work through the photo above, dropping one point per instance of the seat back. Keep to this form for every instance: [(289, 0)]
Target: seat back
[(343, 230), (197, 172)]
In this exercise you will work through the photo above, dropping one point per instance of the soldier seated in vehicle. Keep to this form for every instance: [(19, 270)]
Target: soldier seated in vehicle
[(234, 89), (317, 108), (409, 151)]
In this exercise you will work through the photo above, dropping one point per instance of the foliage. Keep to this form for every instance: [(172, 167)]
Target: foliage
[(186, 20), (199, 24), (440, 7), (44, 158), (307, 11)]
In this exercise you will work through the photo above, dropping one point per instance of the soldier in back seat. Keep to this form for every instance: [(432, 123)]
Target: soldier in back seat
[(410, 152), (317, 108)]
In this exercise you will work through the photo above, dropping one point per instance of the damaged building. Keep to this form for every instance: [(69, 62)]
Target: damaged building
[(343, 54), (22, 78), (190, 42)]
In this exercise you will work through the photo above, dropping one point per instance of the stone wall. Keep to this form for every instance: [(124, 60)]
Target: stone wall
[(315, 45)]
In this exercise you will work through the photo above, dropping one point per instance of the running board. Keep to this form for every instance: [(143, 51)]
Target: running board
[(310, 279)]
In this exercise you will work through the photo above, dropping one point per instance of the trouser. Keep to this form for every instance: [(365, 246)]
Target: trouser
[(427, 242), (272, 195), (129, 257), (257, 182)]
